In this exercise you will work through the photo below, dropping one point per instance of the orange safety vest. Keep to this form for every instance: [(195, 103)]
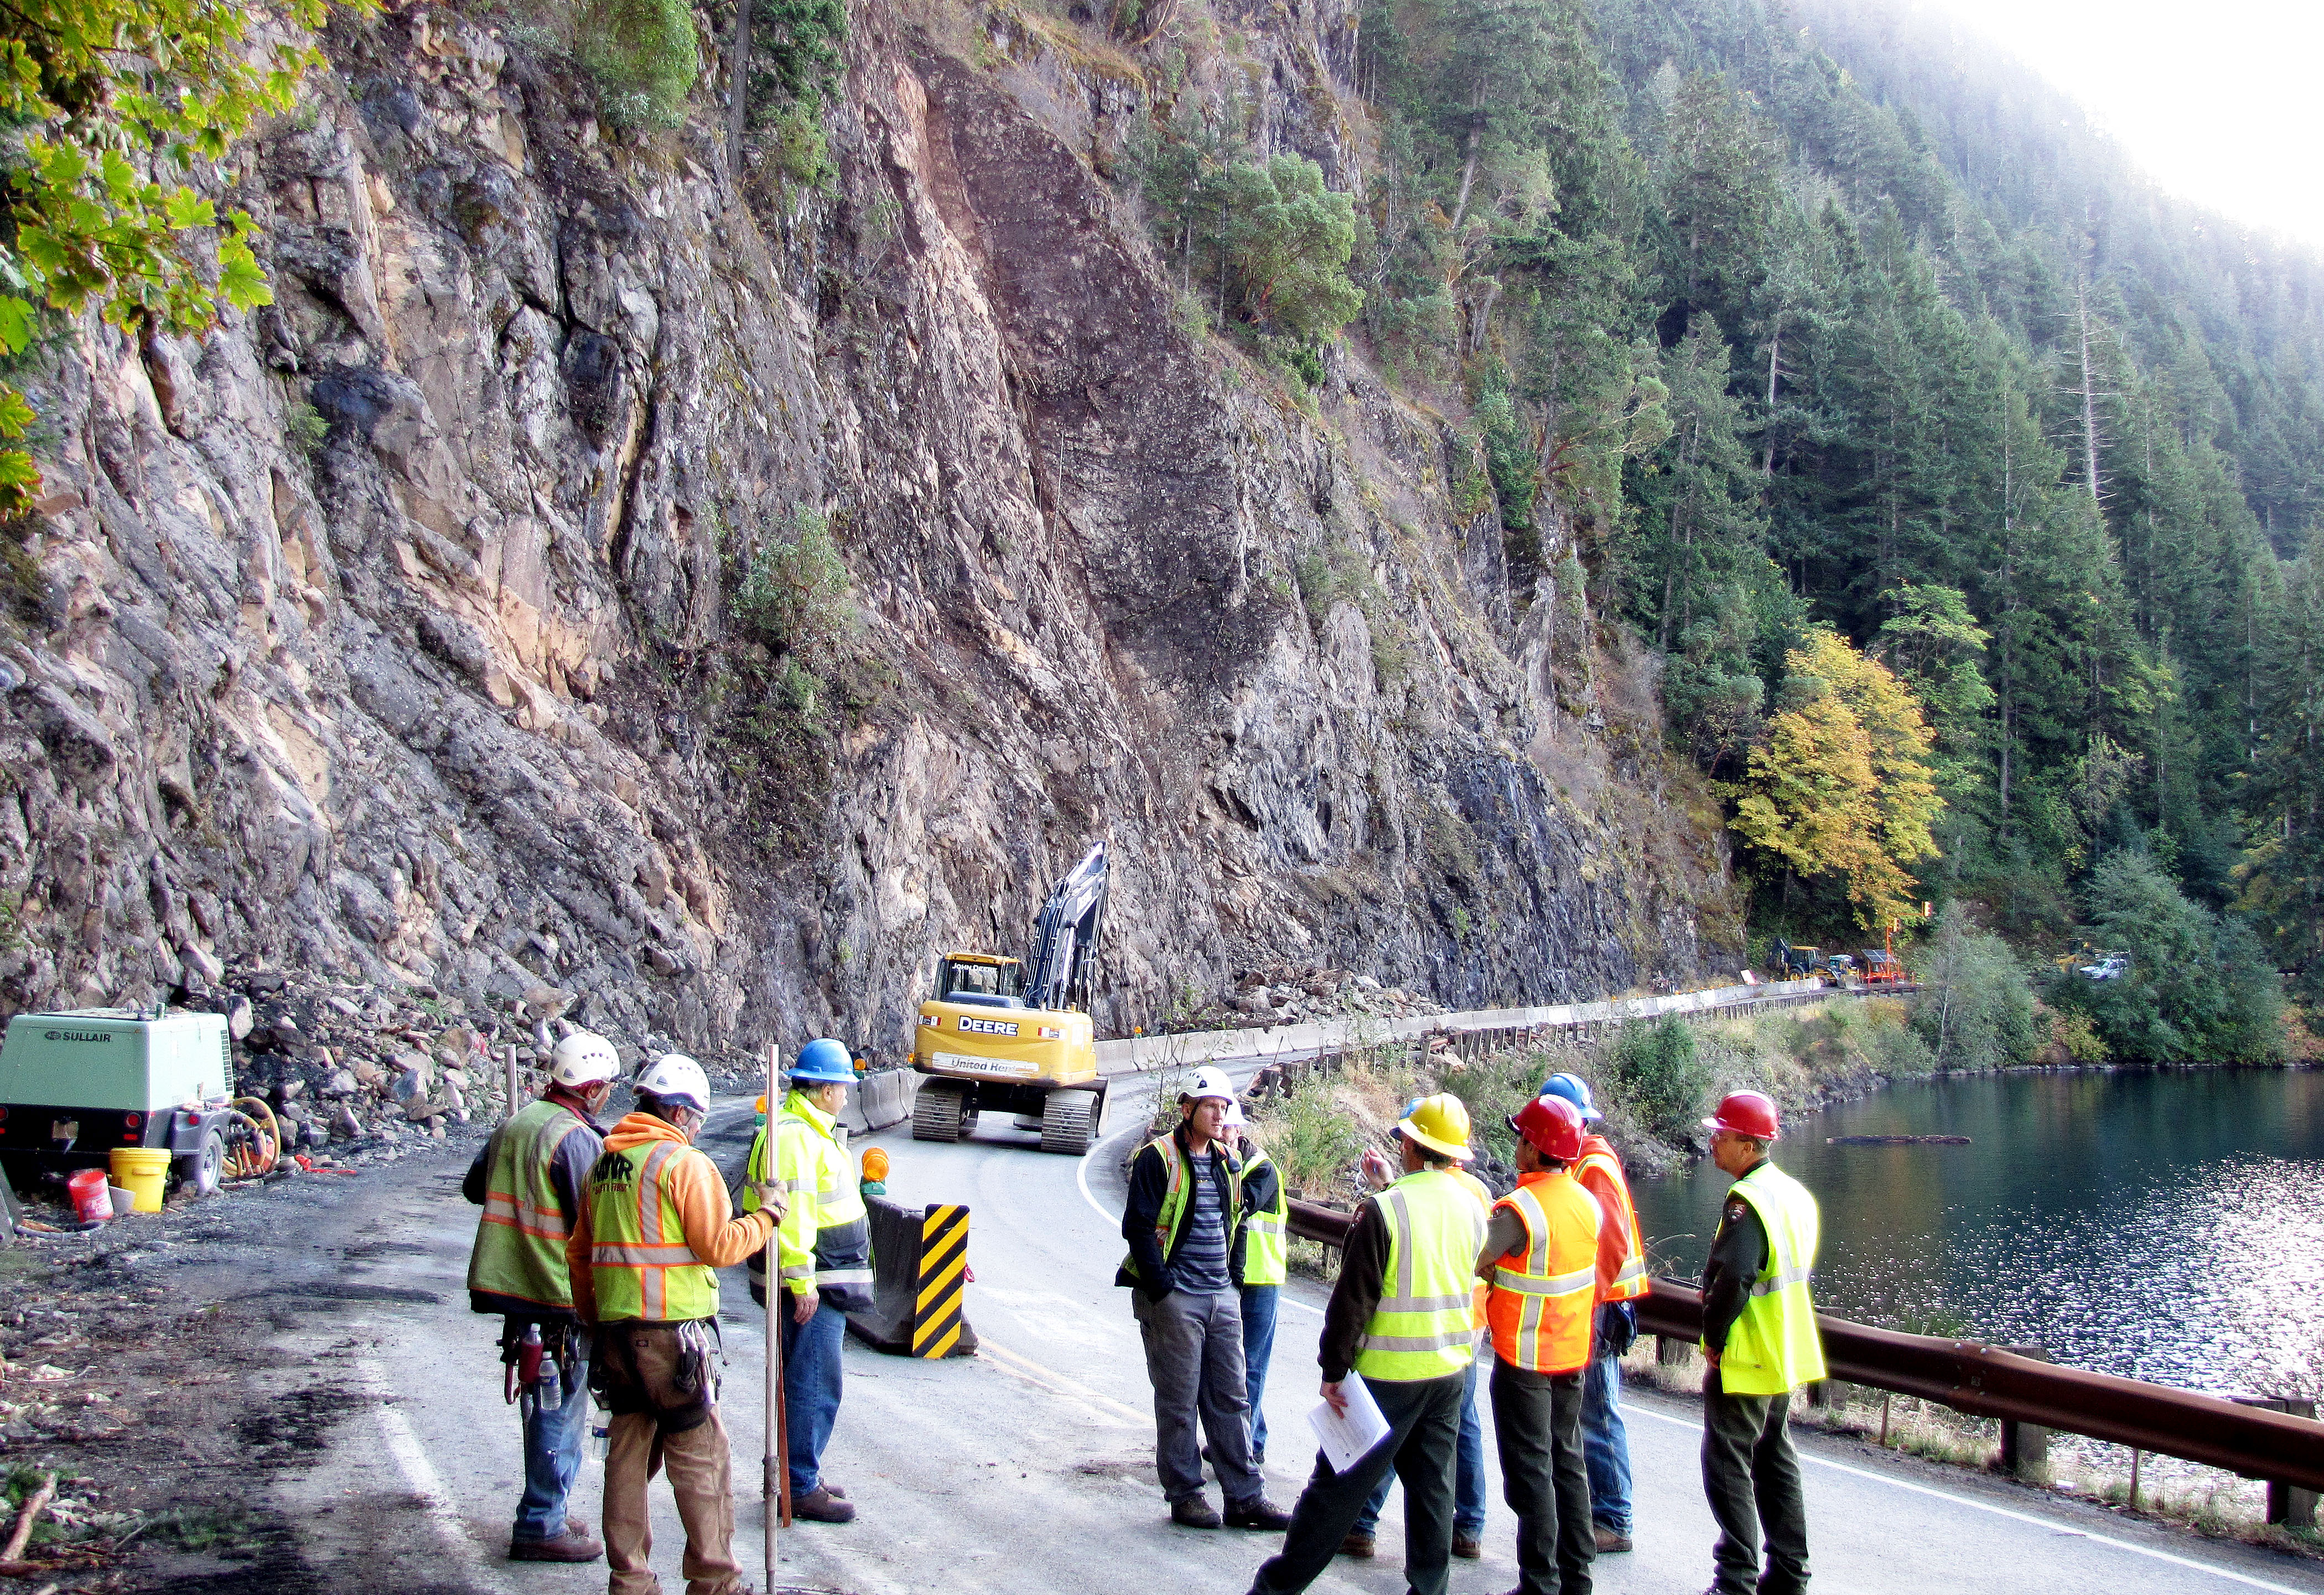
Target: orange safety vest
[(1545, 1294), (1621, 1254)]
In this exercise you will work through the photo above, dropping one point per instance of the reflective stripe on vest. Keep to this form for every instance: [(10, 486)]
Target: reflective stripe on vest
[(1773, 1347), (1544, 1302), (1424, 1327), (1264, 1237), (826, 1203), (1627, 1280), (638, 1260), (520, 1250), (1174, 1164)]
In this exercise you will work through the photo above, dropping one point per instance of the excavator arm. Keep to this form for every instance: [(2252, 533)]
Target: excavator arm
[(1066, 937)]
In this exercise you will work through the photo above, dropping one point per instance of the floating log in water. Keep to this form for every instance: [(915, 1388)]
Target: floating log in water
[(1895, 1141)]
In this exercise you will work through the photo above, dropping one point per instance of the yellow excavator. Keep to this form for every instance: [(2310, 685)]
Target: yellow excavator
[(1014, 1036)]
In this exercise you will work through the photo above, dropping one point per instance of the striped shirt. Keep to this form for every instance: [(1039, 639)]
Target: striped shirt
[(1200, 1269)]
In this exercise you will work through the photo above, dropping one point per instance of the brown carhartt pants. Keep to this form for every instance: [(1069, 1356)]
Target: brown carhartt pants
[(700, 1476)]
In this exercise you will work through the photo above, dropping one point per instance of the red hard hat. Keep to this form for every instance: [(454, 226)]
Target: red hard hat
[(1553, 1125), (1746, 1113)]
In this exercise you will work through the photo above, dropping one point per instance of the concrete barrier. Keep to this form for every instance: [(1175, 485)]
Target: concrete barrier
[(882, 1098), (1144, 1053), (919, 1282)]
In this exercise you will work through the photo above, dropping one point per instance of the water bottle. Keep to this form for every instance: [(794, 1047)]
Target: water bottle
[(528, 1358), (549, 1392), (597, 1441)]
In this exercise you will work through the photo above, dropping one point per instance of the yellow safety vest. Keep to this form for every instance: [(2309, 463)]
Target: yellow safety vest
[(1773, 1347), (519, 1249), (1174, 1195), (824, 1242), (1264, 1237), (1629, 1281), (1542, 1304), (1424, 1326), (638, 1262)]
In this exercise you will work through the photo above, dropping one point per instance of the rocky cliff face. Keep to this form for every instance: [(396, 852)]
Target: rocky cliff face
[(390, 630)]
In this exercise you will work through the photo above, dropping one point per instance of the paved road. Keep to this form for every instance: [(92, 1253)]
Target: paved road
[(1029, 1468)]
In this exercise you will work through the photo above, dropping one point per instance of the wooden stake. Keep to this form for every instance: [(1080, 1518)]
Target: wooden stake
[(512, 1103), (774, 1480)]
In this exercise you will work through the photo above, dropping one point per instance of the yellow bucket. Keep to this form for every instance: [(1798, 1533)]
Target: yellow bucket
[(141, 1171)]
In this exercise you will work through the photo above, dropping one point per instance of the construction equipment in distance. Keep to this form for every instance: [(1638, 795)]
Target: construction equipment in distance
[(1798, 963), (76, 1085), (1015, 1036), (1882, 967)]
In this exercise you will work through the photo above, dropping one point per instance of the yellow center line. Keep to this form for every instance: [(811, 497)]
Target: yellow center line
[(1057, 1384)]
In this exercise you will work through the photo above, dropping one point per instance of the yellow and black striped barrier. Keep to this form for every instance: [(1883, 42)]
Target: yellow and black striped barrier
[(937, 1315), (919, 1282)]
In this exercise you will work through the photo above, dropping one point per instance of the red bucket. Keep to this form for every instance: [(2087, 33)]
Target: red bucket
[(90, 1198)]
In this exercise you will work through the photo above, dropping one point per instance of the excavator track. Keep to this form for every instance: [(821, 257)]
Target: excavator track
[(1069, 1121), (938, 1112)]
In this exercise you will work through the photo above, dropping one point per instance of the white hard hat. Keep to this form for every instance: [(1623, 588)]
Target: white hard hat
[(1234, 1116), (1207, 1082), (676, 1077), (583, 1059)]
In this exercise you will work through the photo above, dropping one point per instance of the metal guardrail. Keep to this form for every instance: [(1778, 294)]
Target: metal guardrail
[(1987, 1382)]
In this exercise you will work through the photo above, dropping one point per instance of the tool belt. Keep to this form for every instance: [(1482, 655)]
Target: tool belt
[(668, 1371)]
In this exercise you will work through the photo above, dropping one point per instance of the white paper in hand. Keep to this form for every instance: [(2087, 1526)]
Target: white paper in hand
[(1344, 1438)]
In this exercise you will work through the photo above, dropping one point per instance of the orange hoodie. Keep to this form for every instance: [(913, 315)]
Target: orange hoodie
[(705, 1215)]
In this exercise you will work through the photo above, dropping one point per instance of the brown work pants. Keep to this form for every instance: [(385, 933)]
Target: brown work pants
[(700, 1476)]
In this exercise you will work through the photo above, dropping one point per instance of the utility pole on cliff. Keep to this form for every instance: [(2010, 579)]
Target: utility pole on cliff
[(738, 91)]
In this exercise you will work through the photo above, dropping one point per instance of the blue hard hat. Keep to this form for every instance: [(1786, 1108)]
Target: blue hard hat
[(1573, 1089), (823, 1061)]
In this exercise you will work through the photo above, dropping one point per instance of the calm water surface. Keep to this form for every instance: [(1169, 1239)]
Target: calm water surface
[(2163, 1226)]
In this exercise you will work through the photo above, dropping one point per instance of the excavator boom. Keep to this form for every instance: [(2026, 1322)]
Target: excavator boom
[(1066, 937)]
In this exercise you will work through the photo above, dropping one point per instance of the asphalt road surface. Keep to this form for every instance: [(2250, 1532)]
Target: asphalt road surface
[(1029, 1467)]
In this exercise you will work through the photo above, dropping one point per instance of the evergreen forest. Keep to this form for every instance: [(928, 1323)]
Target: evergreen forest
[(1961, 482)]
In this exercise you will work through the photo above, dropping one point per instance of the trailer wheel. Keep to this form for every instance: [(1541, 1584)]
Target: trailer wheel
[(938, 1111), (201, 1172), (1069, 1122)]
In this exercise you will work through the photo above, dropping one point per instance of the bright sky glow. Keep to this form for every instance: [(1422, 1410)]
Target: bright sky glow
[(2216, 100)]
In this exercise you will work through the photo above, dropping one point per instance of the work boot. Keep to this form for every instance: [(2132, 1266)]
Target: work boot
[(820, 1506), (572, 1545), (1468, 1546), (1358, 1545), (1611, 1540), (1258, 1512), (1193, 1512)]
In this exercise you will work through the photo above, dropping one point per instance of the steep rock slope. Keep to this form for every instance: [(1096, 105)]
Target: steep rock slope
[(389, 630)]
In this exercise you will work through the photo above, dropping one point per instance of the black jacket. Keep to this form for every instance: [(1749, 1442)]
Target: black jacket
[(1148, 1269), (1739, 1256)]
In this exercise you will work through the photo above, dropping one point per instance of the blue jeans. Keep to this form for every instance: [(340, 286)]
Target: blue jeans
[(1258, 1306), (1468, 1473), (1606, 1443), (811, 1389), (552, 1454)]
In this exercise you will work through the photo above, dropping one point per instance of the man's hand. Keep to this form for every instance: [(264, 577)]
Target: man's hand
[(1335, 1398), (1710, 1359), (1378, 1175), (803, 1306), (773, 1200)]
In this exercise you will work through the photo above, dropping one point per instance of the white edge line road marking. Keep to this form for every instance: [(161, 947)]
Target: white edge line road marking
[(2027, 1517), (421, 1474), (1081, 1178)]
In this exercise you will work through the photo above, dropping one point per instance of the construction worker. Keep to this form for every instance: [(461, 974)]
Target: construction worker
[(1759, 1338), (1540, 1258), (1260, 1254), (528, 1180), (1469, 1486), (1621, 1280), (1401, 1316), (1184, 1207), (825, 1255), (652, 1232)]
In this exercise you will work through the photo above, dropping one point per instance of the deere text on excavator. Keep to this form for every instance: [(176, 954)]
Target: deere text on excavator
[(1015, 1036)]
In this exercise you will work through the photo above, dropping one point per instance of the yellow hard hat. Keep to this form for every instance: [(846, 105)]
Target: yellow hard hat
[(1440, 1123)]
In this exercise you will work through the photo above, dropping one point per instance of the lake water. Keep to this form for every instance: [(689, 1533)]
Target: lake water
[(2164, 1226)]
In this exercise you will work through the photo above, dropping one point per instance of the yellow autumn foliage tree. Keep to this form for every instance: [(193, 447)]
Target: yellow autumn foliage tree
[(1840, 784)]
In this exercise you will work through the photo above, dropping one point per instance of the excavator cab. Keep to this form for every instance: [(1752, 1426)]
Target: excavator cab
[(982, 978), (1015, 1036)]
